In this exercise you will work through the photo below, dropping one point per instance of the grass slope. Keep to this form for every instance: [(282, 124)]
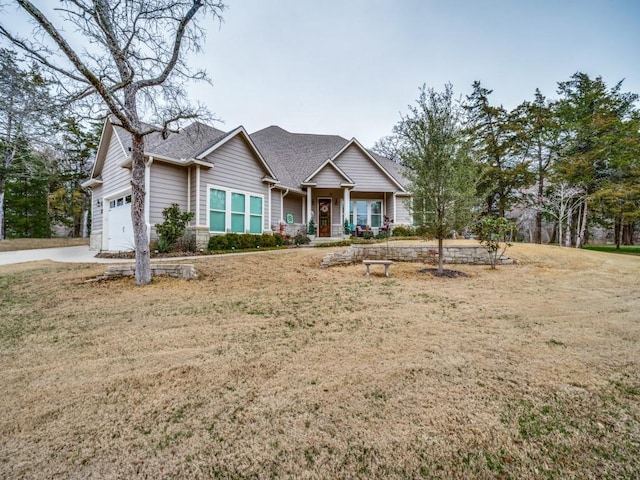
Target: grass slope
[(268, 366)]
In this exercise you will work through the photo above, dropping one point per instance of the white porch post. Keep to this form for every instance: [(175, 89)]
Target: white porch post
[(395, 208), (346, 203), (189, 189), (147, 197), (309, 205), (197, 194)]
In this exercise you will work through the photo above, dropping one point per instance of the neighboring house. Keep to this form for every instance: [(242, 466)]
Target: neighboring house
[(270, 181)]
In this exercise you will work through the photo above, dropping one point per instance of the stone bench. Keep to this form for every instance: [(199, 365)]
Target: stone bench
[(386, 264)]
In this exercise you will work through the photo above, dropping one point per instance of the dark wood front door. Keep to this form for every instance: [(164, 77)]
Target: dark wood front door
[(324, 217)]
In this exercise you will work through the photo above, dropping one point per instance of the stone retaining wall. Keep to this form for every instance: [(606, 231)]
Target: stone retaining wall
[(187, 272), (465, 254)]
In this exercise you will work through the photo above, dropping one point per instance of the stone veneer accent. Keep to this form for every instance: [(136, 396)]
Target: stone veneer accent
[(187, 272), (465, 254)]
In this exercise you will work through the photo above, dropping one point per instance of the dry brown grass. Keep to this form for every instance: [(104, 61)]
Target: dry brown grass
[(14, 244), (269, 366)]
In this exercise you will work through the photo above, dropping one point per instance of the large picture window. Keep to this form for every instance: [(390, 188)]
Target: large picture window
[(233, 211), (366, 212)]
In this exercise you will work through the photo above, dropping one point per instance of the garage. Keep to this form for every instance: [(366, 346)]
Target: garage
[(120, 225)]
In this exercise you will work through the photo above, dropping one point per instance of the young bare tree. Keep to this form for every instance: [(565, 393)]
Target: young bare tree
[(133, 60)]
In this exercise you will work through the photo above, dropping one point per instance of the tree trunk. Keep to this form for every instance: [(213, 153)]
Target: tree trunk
[(538, 230), (440, 256), (568, 226), (580, 241), (2, 211), (627, 233), (141, 240), (617, 223)]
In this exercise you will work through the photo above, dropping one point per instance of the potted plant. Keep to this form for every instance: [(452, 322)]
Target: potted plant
[(346, 228), (311, 229)]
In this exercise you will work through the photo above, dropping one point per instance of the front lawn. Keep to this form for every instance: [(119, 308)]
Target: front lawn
[(624, 249), (268, 366)]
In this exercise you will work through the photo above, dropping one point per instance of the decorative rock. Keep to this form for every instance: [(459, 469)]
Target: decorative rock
[(185, 271), (467, 254)]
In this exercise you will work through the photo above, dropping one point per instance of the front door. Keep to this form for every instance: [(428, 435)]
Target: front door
[(324, 217)]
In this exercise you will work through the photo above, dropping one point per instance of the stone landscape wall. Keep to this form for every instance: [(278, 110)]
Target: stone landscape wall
[(465, 254)]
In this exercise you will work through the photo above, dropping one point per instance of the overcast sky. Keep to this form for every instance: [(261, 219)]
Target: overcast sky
[(349, 67)]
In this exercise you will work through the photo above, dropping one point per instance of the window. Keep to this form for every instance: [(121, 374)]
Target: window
[(232, 211), (217, 210), (376, 213), (366, 212), (255, 221), (237, 212), (120, 201)]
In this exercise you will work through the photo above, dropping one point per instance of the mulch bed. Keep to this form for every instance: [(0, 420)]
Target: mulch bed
[(445, 273)]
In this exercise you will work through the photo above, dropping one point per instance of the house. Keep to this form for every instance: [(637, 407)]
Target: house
[(272, 180)]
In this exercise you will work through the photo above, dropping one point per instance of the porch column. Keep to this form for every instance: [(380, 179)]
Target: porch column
[(147, 197), (309, 205), (197, 194), (347, 196)]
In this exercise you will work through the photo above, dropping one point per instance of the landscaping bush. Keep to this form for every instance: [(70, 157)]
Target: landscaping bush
[(401, 231), (301, 239), (279, 239), (267, 240), (217, 242), (248, 241), (173, 227), (187, 243), (245, 241)]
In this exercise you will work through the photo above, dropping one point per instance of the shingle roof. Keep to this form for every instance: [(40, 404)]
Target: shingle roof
[(291, 156), (186, 143), (295, 156)]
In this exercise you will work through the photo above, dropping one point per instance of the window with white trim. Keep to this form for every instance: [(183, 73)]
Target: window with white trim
[(366, 212), (234, 211)]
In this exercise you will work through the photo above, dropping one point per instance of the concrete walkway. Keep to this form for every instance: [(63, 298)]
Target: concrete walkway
[(80, 254)]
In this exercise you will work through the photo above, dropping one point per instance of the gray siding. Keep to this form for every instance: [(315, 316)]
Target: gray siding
[(234, 167), (275, 209), (168, 185), (328, 177), (96, 212), (114, 177), (403, 216), (367, 175), (293, 204)]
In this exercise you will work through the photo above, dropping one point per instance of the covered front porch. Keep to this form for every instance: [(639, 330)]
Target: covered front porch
[(364, 211)]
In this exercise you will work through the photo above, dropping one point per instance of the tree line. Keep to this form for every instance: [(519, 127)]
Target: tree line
[(555, 166), (45, 155)]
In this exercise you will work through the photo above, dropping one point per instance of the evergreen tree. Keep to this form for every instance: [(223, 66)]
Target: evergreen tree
[(600, 147), (536, 139), (26, 200), (503, 174)]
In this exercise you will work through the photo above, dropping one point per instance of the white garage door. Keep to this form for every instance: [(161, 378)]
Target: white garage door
[(120, 225)]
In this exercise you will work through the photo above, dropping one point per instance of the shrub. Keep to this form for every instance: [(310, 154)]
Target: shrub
[(279, 239), (247, 241), (174, 225), (233, 241), (492, 231), (346, 227), (311, 228), (301, 239), (267, 240), (162, 245), (217, 242), (401, 231), (187, 243)]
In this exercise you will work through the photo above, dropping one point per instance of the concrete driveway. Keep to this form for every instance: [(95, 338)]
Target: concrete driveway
[(80, 254)]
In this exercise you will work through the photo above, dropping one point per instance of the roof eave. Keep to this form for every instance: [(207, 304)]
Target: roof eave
[(92, 182)]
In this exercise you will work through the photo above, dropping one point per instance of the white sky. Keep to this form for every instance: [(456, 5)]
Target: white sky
[(349, 67)]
